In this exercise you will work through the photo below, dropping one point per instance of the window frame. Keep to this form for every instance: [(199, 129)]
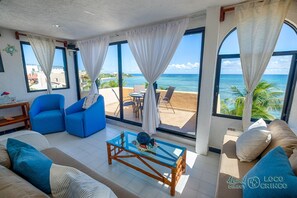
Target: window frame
[(26, 74), (289, 93), (121, 118)]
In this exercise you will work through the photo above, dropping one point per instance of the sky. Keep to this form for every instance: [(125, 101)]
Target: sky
[(287, 41), (30, 58), (186, 59)]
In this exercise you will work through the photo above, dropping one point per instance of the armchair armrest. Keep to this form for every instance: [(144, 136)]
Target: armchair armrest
[(76, 107), (62, 103), (34, 109)]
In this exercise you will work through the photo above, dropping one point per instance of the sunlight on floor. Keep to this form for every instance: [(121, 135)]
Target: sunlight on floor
[(182, 183), (199, 180), (191, 158)]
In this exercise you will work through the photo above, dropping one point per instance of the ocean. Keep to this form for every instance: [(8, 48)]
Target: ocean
[(189, 82), (181, 82)]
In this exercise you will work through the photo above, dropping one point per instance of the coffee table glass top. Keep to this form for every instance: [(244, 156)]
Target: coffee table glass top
[(166, 153)]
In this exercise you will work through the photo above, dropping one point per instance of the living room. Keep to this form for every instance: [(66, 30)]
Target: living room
[(214, 21)]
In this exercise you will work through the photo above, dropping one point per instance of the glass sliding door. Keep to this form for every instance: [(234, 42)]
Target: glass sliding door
[(179, 86), (107, 82), (133, 86), (123, 85)]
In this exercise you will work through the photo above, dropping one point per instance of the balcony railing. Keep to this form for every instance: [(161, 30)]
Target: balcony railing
[(182, 120)]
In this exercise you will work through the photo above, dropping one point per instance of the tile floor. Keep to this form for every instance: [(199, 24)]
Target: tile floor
[(198, 181)]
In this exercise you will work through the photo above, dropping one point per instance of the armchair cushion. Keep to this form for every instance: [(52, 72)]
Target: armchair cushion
[(90, 100), (51, 114)]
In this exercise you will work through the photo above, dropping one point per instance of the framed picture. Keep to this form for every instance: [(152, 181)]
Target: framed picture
[(1, 64)]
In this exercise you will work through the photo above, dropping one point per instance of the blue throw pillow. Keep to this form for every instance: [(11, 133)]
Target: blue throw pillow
[(272, 176), (30, 164)]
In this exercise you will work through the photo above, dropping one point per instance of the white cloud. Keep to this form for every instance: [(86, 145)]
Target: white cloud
[(279, 65), (187, 66)]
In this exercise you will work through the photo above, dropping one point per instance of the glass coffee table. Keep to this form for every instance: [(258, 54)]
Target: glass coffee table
[(165, 154)]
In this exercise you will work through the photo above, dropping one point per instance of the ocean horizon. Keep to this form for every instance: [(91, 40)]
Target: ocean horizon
[(189, 82)]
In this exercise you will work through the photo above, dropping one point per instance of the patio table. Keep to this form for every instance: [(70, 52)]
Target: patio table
[(137, 99)]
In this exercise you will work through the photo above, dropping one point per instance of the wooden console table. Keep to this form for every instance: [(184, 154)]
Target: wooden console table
[(19, 118)]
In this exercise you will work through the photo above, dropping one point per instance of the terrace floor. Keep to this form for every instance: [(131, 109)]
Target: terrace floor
[(198, 181), (182, 121)]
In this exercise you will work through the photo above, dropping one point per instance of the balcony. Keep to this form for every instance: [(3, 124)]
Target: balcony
[(184, 104)]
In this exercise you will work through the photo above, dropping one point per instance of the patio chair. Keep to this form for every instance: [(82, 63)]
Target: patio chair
[(126, 103), (157, 95), (166, 99)]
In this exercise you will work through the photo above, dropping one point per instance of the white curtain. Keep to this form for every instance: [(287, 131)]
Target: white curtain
[(93, 53), (153, 48), (258, 28), (44, 50)]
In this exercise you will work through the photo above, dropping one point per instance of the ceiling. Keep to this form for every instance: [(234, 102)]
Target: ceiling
[(79, 19)]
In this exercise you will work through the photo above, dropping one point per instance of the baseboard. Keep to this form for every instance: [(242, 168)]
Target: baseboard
[(214, 150)]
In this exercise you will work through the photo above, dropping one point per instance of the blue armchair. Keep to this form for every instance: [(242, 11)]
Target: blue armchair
[(47, 114), (85, 122)]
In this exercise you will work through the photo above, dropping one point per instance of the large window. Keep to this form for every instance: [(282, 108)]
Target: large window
[(35, 78), (273, 95), (123, 85)]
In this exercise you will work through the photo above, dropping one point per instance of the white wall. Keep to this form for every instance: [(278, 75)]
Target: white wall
[(13, 77), (207, 80), (194, 22), (219, 125)]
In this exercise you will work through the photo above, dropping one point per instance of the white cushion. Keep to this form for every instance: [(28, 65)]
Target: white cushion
[(69, 182), (253, 141), (259, 123), (89, 100)]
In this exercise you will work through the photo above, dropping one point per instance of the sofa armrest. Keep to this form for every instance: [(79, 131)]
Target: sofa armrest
[(35, 139), (76, 107)]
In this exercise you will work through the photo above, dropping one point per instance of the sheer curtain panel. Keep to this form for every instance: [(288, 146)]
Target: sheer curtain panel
[(44, 50), (153, 48), (93, 53), (258, 28)]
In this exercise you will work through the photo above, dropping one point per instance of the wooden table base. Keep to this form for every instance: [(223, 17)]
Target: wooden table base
[(176, 172)]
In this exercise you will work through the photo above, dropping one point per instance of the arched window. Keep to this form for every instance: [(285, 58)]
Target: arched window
[(274, 93)]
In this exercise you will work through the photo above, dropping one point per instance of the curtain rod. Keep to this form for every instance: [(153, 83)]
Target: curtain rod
[(230, 8), (18, 34)]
